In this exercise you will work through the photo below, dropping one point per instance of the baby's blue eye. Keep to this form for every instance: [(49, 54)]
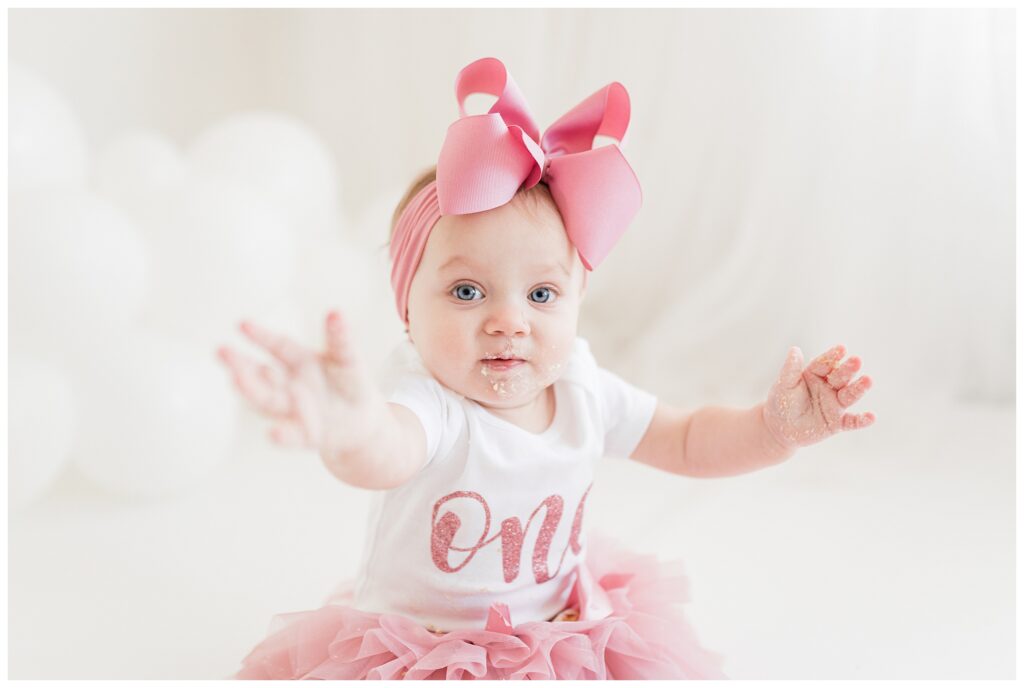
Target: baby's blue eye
[(542, 295), (466, 292)]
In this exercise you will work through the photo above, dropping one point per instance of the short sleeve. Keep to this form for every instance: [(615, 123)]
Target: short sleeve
[(627, 412), (424, 396)]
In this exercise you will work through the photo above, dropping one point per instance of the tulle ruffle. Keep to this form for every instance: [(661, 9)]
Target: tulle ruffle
[(644, 637)]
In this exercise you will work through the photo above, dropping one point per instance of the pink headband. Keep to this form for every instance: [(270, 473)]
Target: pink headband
[(485, 159)]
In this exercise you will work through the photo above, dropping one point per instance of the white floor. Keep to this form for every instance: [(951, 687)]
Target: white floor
[(881, 554)]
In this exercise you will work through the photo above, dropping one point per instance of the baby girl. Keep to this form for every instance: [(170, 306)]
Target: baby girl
[(477, 564)]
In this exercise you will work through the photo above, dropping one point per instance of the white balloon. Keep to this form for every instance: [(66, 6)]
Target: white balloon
[(222, 252), (278, 156), (41, 418), (77, 271), (137, 171), (156, 419), (45, 143)]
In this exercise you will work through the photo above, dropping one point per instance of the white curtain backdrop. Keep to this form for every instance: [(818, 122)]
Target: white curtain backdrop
[(810, 178)]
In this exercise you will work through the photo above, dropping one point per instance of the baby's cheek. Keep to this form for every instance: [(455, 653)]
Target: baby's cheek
[(441, 347), (449, 335), (555, 359)]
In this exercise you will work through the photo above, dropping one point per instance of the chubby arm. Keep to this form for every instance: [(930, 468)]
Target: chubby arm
[(712, 442), (804, 406), (393, 451)]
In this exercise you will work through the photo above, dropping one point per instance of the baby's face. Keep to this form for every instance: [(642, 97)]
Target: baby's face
[(494, 304)]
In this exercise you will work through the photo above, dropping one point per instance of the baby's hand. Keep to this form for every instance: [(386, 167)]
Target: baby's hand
[(325, 401), (805, 406)]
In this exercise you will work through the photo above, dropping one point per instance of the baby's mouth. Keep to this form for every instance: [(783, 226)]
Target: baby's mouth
[(502, 361)]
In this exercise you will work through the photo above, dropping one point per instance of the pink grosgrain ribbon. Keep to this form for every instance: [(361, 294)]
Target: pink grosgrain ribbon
[(485, 159)]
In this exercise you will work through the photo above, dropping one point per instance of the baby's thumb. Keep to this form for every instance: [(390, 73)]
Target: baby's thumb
[(338, 349), (792, 369)]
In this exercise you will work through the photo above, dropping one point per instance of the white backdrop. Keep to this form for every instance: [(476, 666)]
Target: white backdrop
[(811, 177)]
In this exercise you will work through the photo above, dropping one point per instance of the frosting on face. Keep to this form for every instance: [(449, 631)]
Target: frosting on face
[(494, 304)]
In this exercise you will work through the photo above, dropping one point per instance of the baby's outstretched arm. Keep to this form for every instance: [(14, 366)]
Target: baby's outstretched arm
[(804, 406), (328, 401)]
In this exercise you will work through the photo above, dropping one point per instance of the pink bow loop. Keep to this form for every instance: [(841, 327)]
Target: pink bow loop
[(485, 159), (482, 164), (488, 75), (597, 195), (605, 113)]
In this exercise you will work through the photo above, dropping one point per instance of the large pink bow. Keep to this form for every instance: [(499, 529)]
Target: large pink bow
[(486, 158)]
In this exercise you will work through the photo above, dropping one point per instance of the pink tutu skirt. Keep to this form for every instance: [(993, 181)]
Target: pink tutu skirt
[(644, 637)]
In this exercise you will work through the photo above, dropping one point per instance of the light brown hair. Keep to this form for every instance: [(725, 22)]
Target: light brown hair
[(531, 199)]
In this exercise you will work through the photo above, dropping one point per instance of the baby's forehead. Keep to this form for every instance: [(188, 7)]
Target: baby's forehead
[(512, 222), (501, 242), (536, 265)]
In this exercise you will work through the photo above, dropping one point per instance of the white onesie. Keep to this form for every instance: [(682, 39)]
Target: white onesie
[(496, 514)]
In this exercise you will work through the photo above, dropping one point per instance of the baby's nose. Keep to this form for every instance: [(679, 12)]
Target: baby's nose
[(507, 320)]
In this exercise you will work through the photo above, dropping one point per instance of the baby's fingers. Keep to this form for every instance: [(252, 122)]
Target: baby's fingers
[(260, 384), (824, 364), (282, 348), (290, 434), (854, 421), (842, 375), (853, 391), (339, 350)]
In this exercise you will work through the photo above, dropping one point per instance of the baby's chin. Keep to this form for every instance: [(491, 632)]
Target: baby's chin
[(509, 389), (502, 389)]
